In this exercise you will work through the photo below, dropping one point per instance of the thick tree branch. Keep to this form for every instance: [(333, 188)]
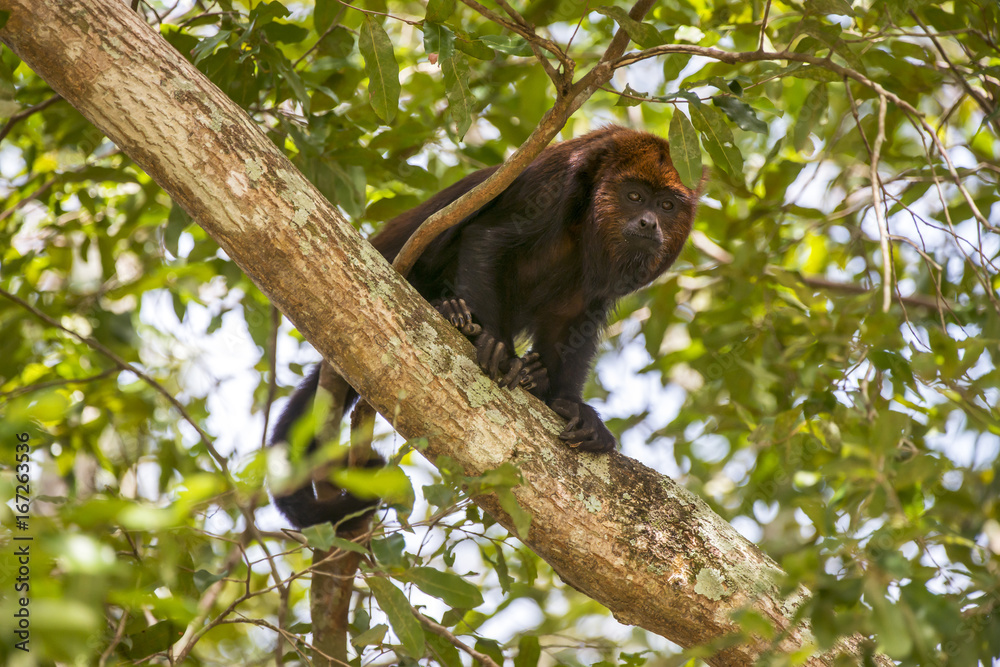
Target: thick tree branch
[(648, 549)]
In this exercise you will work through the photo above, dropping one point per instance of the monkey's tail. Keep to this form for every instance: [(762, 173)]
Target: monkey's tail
[(321, 501)]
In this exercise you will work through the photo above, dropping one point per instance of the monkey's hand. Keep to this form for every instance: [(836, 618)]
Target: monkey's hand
[(498, 361), (534, 376), (458, 313), (584, 429), (494, 357)]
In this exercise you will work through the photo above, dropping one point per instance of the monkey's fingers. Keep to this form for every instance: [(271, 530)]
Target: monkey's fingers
[(584, 429), (513, 376), (577, 438), (490, 352), (568, 410), (596, 444), (459, 315), (534, 376)]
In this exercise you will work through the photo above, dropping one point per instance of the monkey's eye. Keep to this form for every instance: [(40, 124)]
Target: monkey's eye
[(634, 196), (667, 206)]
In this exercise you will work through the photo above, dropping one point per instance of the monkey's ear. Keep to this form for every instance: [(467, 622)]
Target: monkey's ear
[(705, 172), (586, 162)]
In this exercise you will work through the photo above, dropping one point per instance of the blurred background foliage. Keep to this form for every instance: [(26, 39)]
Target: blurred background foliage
[(854, 438)]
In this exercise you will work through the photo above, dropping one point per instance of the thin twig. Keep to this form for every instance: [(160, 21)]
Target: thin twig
[(124, 365), (883, 224), (246, 510), (537, 43), (442, 631), (980, 99), (763, 26), (333, 26), (756, 56), (56, 383), (385, 14), (21, 115)]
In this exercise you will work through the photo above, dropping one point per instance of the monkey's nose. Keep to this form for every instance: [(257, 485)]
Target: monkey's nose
[(644, 232)]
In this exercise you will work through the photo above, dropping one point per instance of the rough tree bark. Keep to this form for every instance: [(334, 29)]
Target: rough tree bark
[(648, 549)]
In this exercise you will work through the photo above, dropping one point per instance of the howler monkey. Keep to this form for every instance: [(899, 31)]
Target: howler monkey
[(590, 220)]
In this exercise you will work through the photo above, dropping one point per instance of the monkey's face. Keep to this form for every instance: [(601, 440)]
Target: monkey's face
[(647, 215)]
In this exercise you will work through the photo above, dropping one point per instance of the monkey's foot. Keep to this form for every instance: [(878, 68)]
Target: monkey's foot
[(584, 429), (534, 376), (458, 313)]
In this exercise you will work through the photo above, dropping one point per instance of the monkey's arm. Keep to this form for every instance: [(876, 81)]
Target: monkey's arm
[(482, 289), (566, 353)]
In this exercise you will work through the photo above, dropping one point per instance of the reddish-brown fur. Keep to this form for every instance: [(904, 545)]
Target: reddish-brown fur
[(589, 221)]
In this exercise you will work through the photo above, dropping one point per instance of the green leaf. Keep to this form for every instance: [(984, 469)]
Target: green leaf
[(266, 12), (442, 649), (839, 7), (319, 536), (511, 45), (491, 648), (286, 33), (460, 99), (528, 652), (439, 40), (389, 483), (381, 68), (339, 43), (718, 139), (627, 95), (371, 637), (740, 113), (397, 609), (451, 588), (292, 78), (642, 34), (389, 551), (347, 545), (439, 495), (474, 48), (811, 116), (203, 579), (439, 11), (152, 639), (177, 221), (685, 151), (673, 64), (325, 14), (503, 574), (206, 47), (521, 518)]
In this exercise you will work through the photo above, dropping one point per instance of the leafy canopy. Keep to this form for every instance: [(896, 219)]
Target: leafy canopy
[(828, 348)]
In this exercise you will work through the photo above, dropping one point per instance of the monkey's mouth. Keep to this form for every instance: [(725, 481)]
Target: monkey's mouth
[(643, 241)]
